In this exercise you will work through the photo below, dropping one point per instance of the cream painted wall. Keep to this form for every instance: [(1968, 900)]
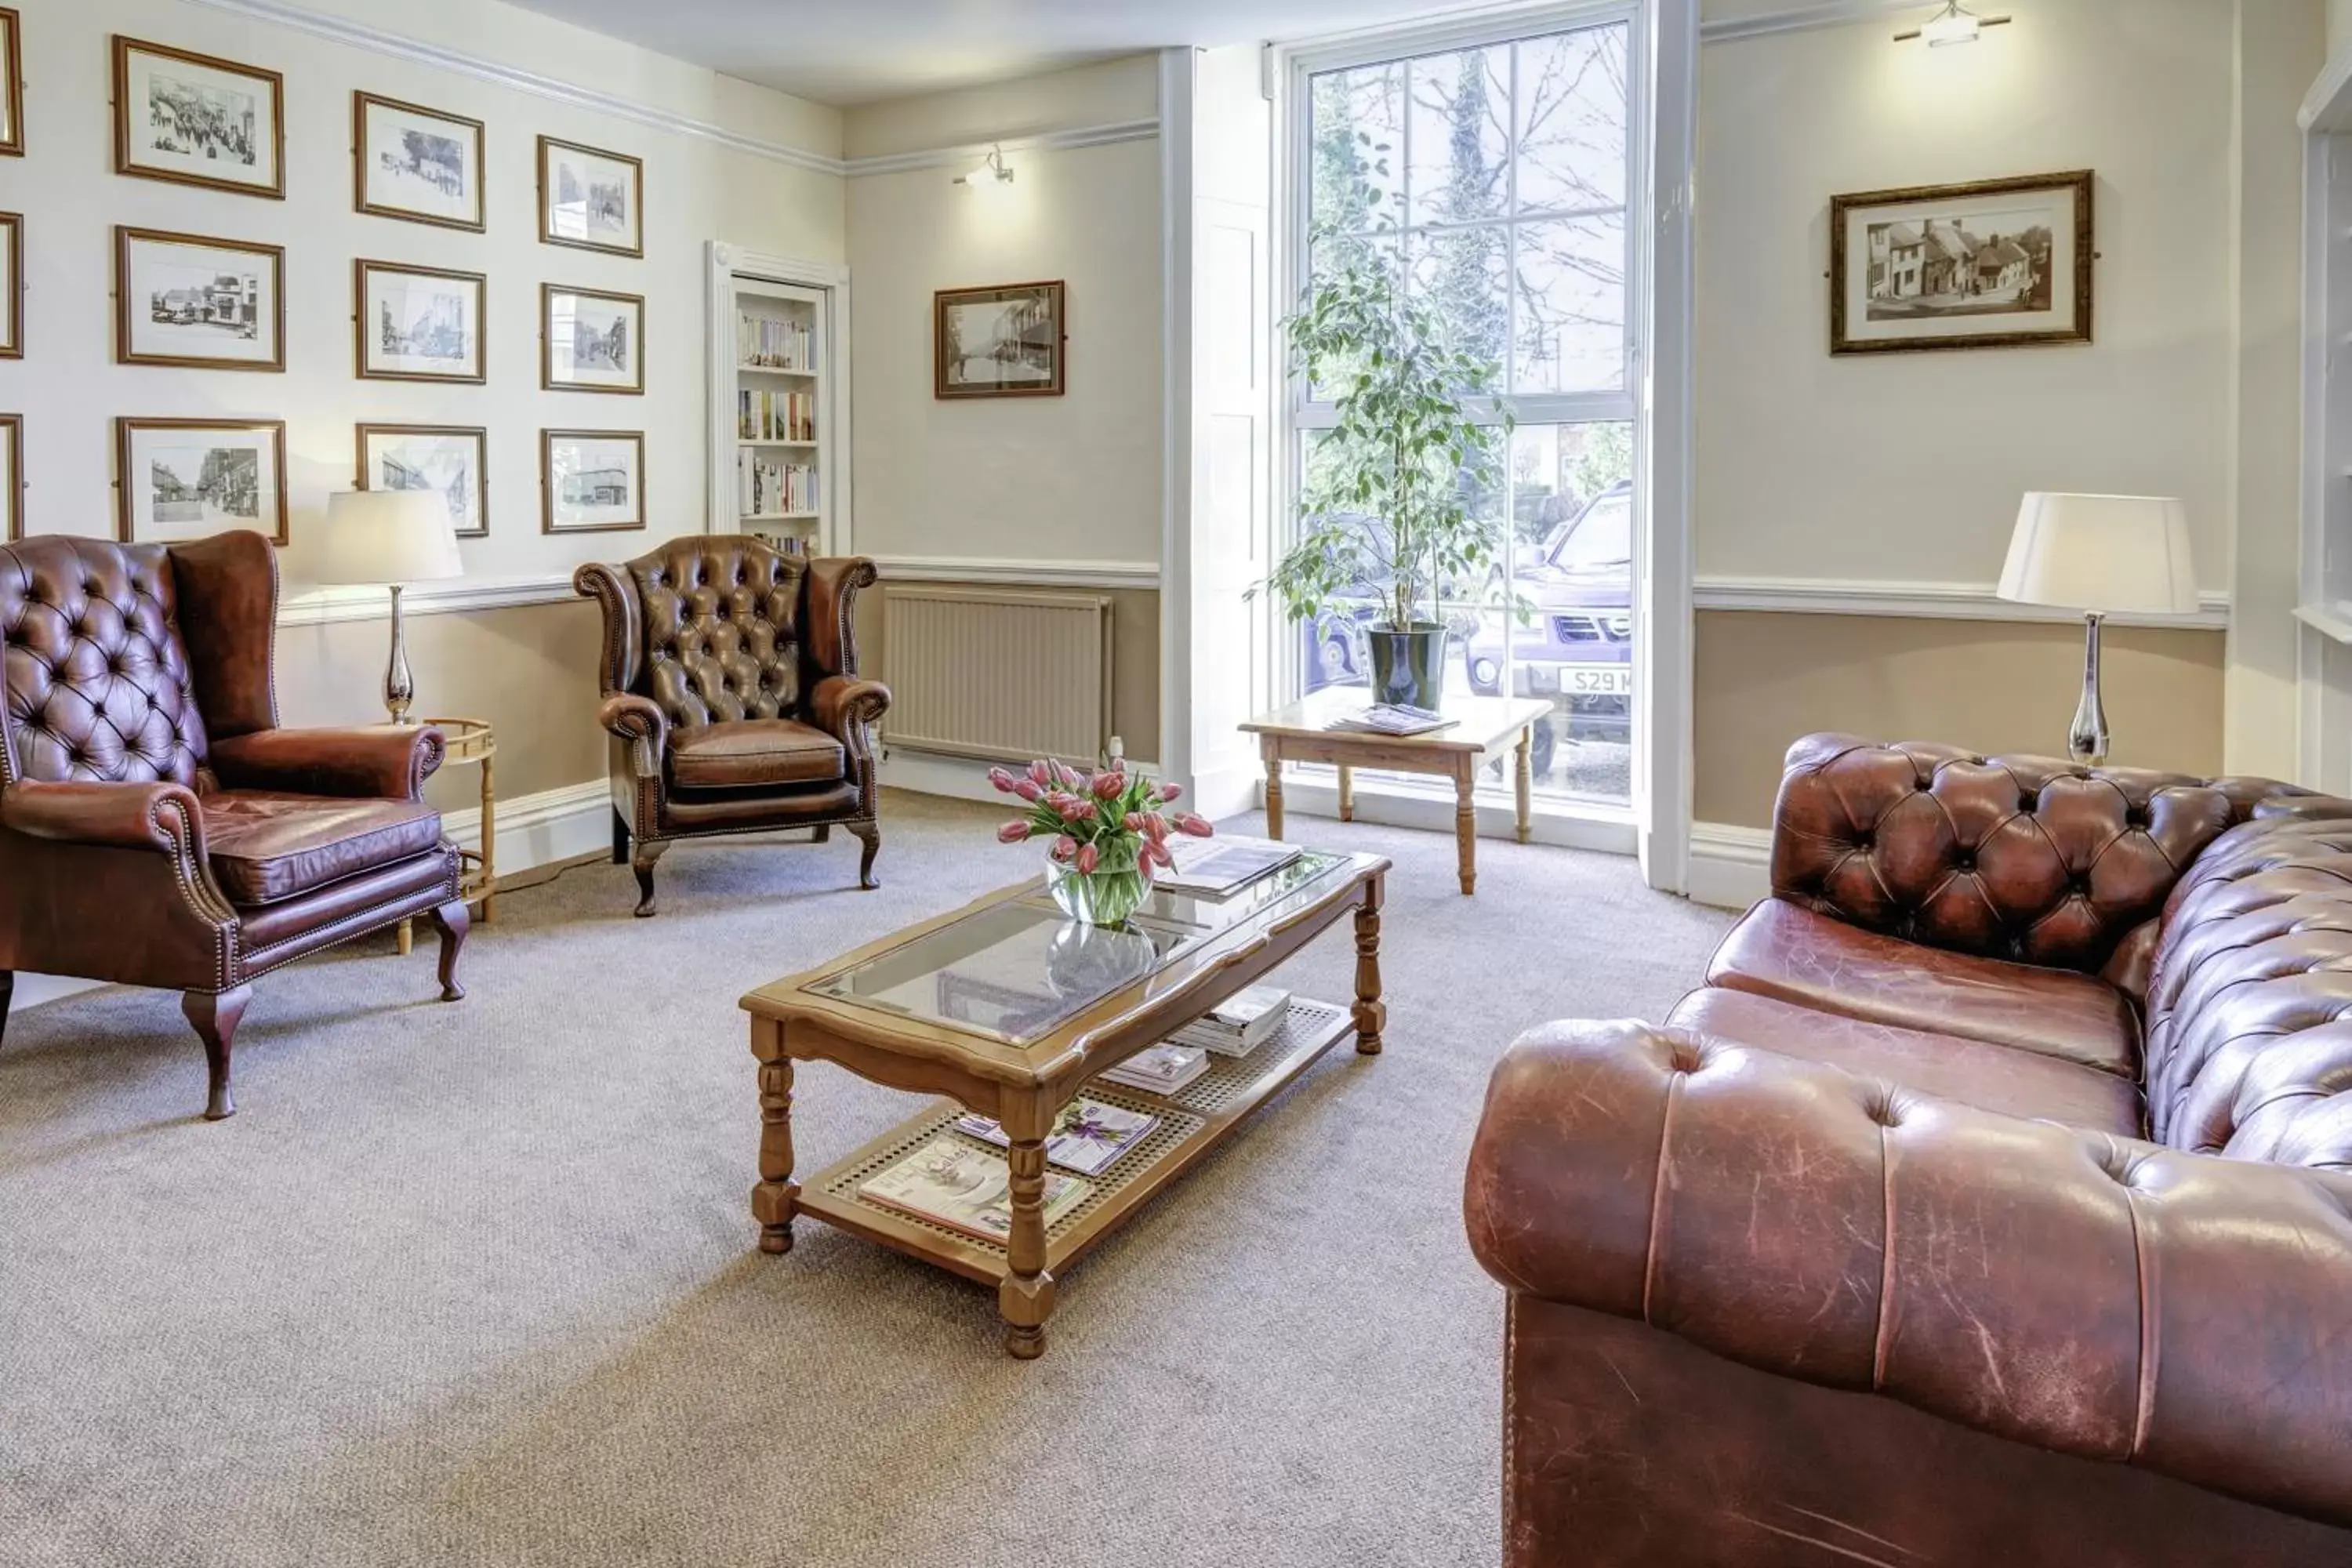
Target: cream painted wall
[(70, 390), (1045, 478), (2339, 24), (1107, 93)]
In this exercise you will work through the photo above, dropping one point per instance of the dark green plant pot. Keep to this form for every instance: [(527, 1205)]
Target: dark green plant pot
[(1408, 667)]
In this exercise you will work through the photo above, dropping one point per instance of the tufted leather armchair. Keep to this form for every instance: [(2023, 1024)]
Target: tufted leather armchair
[(729, 674), (1991, 1203), (156, 827)]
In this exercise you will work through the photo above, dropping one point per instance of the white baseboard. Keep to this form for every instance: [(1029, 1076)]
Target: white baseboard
[(1408, 805), (534, 830), (1730, 867), (958, 778)]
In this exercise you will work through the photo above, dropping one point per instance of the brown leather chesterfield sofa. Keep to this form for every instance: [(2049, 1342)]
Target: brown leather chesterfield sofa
[(156, 827), (1986, 1207), (731, 693)]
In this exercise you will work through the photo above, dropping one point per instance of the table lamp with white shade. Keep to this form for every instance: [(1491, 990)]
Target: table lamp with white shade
[(2102, 556), (396, 538)]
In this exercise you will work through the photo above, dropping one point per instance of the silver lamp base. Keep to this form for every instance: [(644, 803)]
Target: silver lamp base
[(2086, 741), (399, 687)]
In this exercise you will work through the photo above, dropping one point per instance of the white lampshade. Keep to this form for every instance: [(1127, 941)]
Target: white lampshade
[(2103, 553), (388, 536)]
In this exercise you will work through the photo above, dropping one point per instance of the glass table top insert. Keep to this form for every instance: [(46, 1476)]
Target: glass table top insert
[(1015, 971)]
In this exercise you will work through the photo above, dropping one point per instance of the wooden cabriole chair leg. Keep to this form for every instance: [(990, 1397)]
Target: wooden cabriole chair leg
[(216, 1016), (650, 850), (620, 839), (869, 833), (452, 920), (7, 991)]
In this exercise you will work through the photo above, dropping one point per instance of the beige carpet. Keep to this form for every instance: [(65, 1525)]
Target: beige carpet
[(476, 1284)]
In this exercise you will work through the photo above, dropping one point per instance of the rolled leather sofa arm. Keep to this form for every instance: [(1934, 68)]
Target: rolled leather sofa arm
[(839, 702), (2092, 1295), (634, 718), (159, 816), (374, 763)]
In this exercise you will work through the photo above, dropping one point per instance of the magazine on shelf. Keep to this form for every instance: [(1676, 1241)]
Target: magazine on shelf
[(1164, 1069), (1239, 1023), (1222, 866), (1088, 1136), (966, 1189), (1391, 718)]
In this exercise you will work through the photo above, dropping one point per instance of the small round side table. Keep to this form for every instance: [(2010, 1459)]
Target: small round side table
[(471, 741)]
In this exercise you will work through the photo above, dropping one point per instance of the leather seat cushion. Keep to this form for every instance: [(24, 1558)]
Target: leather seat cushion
[(739, 753), (266, 845), (1785, 950), (1971, 1072)]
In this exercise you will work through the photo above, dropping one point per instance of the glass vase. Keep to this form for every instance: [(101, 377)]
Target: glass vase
[(1105, 896)]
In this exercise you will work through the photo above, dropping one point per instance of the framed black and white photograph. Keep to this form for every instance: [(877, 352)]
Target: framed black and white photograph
[(416, 163), (591, 198), (12, 85), (1004, 342), (590, 341), (197, 120), (451, 460), (187, 478), (12, 286), (592, 481), (1995, 264), (419, 323), (187, 300), (12, 473)]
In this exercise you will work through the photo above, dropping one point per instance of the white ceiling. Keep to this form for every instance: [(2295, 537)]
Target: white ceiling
[(854, 51)]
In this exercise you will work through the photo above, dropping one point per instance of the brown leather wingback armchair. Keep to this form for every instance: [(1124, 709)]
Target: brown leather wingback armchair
[(1991, 1203), (156, 827), (729, 674)]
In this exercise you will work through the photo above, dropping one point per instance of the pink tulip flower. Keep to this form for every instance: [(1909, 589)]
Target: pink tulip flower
[(1040, 774), (1156, 824), (1001, 779), (1172, 791), (1065, 846), (1026, 790), (1088, 857), (1109, 786), (1012, 833), (1198, 826), (1082, 811)]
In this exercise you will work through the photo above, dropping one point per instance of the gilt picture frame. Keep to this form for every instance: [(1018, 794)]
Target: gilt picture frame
[(197, 301), (12, 84), (11, 474), (417, 164), (591, 340), (12, 286), (419, 323), (592, 481), (591, 198), (453, 459), (1004, 341), (198, 120), (181, 478), (1991, 264)]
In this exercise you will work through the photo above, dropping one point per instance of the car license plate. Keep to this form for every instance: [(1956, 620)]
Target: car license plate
[(1596, 680)]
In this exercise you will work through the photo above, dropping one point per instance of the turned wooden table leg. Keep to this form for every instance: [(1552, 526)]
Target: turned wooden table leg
[(406, 937), (1272, 749), (1346, 792), (773, 1200), (1526, 779), (1372, 1012), (1026, 1297), (489, 845), (1465, 820)]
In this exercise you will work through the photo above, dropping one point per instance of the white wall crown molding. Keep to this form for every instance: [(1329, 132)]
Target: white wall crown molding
[(1806, 18), (1037, 574)]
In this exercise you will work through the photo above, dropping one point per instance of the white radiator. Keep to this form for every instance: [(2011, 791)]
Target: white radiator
[(981, 672)]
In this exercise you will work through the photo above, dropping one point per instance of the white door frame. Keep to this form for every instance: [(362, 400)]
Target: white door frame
[(838, 534)]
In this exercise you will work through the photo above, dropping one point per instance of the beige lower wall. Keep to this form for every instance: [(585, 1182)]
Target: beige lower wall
[(1135, 655), (530, 669), (1763, 679)]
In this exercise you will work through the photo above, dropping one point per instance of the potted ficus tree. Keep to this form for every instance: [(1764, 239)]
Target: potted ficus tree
[(1400, 490)]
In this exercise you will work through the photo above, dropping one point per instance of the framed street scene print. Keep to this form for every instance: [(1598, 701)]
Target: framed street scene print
[(12, 85), (12, 286), (591, 198), (590, 341), (998, 342), (416, 163), (185, 299), (449, 458), (592, 481), (12, 473), (1997, 264), (197, 120), (187, 478), (419, 323)]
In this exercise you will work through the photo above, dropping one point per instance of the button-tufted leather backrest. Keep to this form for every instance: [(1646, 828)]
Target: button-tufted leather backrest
[(97, 675), (721, 629), (2029, 858), (2249, 1043)]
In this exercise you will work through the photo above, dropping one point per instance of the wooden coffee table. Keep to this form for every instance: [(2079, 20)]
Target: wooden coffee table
[(1010, 1010), (1300, 734)]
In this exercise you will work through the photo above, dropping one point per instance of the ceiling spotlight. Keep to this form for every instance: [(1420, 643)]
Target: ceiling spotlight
[(989, 173), (1952, 25)]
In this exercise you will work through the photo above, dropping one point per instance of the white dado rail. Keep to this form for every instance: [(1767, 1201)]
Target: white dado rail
[(1921, 601)]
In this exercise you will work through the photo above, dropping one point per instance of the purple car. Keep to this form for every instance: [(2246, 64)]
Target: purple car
[(1576, 642)]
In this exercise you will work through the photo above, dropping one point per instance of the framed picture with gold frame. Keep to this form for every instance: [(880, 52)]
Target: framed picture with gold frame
[(12, 285), (197, 120), (12, 473), (452, 460), (417, 164), (591, 199), (12, 85), (189, 479), (1004, 342), (1991, 264), (591, 340), (419, 323), (592, 481), (189, 300)]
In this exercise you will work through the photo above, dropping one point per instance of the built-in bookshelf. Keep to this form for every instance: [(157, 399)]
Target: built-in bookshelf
[(783, 440)]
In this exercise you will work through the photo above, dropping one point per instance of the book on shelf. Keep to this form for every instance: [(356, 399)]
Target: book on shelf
[(768, 486), (782, 542), (1164, 1069), (967, 1189), (1221, 865), (1088, 1136), (1239, 1023), (765, 342), (763, 415), (1391, 718)]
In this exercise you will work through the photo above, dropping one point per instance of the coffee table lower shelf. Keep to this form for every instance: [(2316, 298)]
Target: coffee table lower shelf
[(1193, 1120)]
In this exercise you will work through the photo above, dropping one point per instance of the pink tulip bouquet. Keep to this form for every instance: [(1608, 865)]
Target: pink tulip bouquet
[(1107, 833)]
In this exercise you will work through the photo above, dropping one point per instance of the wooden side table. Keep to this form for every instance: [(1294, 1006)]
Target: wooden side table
[(471, 741)]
